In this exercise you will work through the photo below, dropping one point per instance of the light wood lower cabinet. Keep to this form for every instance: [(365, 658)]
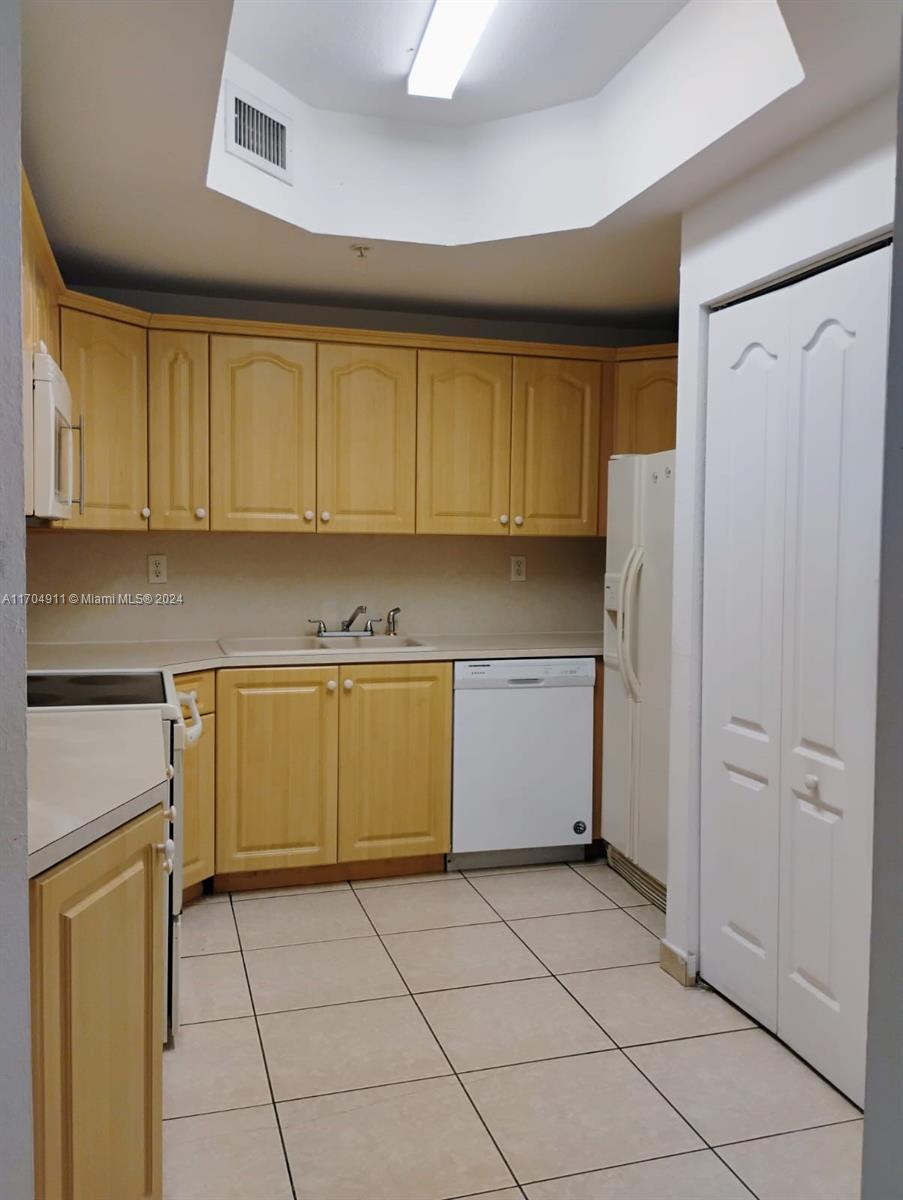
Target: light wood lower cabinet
[(325, 764), (395, 760), (97, 1023), (555, 447), (105, 364), (199, 806), (276, 767)]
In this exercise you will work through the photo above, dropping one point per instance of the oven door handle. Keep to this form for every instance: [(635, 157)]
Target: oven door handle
[(195, 729)]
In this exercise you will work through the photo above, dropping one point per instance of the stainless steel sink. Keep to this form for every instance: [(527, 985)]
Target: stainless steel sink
[(374, 641), (236, 647), (270, 645)]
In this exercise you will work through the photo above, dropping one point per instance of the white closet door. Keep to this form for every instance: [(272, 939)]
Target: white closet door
[(838, 363), (743, 601)]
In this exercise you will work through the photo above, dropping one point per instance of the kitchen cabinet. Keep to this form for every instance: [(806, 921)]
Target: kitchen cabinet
[(263, 449), (645, 406), (463, 442), (276, 767), (97, 960), (41, 283), (366, 439), (199, 784), (105, 363), (555, 447), (178, 434), (395, 760)]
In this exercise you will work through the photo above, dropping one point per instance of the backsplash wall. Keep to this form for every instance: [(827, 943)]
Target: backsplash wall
[(255, 584)]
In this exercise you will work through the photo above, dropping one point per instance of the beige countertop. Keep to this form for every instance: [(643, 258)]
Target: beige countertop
[(208, 655), (88, 773)]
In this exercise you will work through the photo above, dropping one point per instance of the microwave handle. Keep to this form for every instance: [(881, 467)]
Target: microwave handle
[(80, 429)]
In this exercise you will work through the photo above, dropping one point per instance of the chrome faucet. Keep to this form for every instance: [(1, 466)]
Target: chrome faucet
[(391, 621), (346, 625)]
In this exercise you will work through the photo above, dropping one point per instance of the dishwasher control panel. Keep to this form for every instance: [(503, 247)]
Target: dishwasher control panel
[(526, 672)]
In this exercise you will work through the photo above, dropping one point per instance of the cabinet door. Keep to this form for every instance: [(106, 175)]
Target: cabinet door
[(178, 435), (555, 447), (198, 814), (366, 430), (646, 406), (97, 996), (105, 363), (276, 765), (395, 766), (463, 442), (263, 445)]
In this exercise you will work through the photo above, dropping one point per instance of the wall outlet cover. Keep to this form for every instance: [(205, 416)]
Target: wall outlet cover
[(518, 568), (156, 568)]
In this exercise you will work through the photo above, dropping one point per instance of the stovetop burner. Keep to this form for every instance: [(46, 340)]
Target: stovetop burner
[(95, 690)]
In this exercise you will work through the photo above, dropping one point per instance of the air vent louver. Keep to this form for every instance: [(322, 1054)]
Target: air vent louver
[(257, 133)]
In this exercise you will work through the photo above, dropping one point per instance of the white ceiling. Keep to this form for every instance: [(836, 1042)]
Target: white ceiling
[(119, 101), (354, 55)]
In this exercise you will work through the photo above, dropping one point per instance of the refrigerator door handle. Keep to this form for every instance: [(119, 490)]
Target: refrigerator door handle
[(621, 613), (630, 590)]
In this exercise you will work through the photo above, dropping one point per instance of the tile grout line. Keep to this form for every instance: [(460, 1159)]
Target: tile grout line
[(266, 1065), (454, 1073)]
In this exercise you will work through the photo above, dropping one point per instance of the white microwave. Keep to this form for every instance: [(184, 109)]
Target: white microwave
[(49, 460)]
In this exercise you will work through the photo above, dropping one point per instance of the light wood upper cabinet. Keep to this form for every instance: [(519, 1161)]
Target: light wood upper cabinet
[(41, 282), (645, 420), (463, 442), (97, 1022), (395, 760), (276, 767), (105, 364), (178, 435), (366, 436), (555, 447), (263, 446)]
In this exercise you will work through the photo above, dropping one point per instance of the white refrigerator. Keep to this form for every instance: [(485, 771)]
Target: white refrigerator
[(637, 655)]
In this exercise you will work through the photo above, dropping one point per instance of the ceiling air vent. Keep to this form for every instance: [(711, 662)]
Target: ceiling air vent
[(257, 133)]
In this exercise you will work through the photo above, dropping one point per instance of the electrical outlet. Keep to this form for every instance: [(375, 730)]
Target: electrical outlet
[(518, 568), (156, 568)]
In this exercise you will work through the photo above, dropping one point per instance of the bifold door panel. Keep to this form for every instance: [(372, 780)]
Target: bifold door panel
[(792, 553)]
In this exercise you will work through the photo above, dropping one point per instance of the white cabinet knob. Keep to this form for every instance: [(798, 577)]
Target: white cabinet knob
[(518, 520), (169, 854), (811, 782), (145, 512), (348, 685), (309, 515), (200, 513), (170, 771), (331, 685), (324, 516), (503, 519)]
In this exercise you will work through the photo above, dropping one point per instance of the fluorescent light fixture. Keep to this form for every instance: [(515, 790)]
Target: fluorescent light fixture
[(449, 40)]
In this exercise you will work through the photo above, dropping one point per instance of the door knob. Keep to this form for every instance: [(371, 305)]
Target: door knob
[(200, 513), (811, 782), (169, 854), (503, 519), (145, 512), (331, 685), (309, 515), (348, 685), (324, 516), (518, 520)]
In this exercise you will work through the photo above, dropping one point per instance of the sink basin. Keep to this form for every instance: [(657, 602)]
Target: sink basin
[(236, 647), (377, 641), (270, 645)]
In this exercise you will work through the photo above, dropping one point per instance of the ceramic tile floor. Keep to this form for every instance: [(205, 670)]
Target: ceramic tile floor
[(494, 1033)]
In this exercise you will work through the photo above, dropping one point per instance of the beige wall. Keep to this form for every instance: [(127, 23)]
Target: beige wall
[(263, 584)]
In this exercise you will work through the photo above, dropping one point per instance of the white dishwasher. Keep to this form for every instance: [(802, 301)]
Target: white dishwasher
[(523, 754)]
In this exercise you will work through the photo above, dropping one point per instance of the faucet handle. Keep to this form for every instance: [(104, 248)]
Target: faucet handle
[(320, 624), (368, 628)]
